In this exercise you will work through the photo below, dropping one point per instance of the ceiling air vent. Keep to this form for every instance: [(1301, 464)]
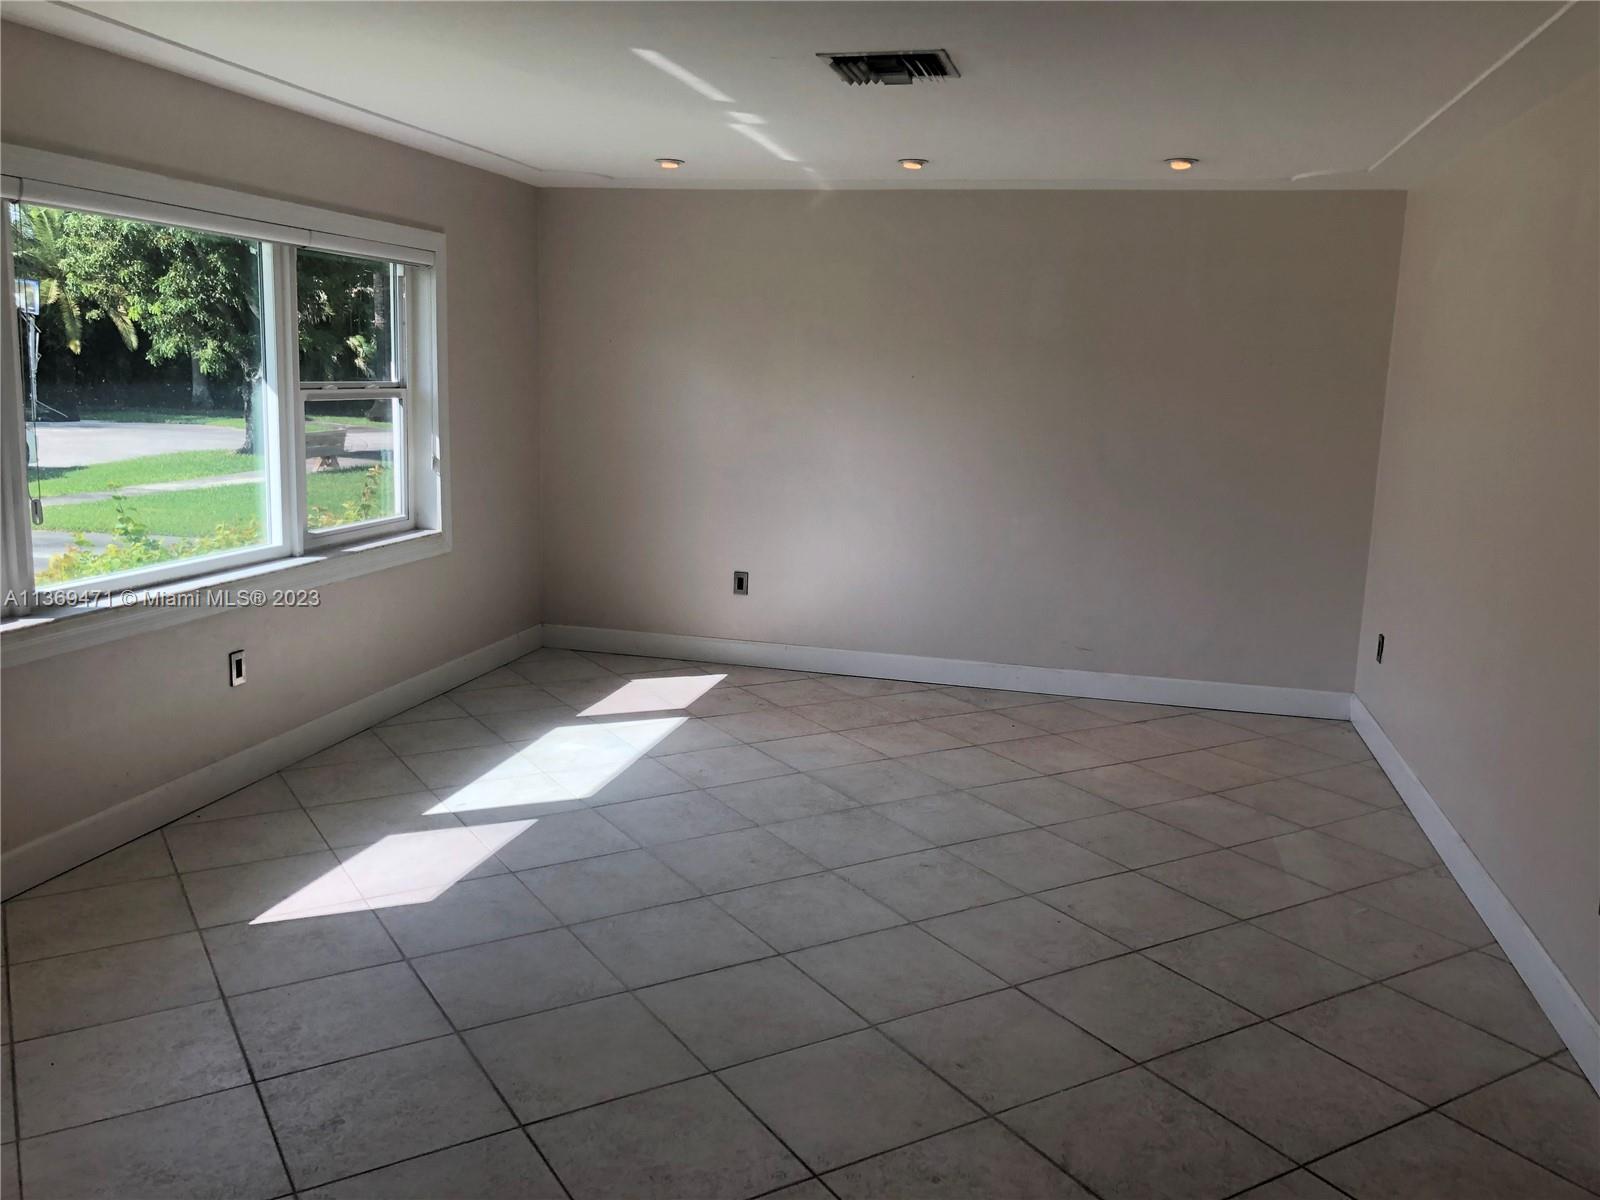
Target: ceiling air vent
[(892, 66)]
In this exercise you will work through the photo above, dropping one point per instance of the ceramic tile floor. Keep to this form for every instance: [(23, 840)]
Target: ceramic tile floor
[(618, 927)]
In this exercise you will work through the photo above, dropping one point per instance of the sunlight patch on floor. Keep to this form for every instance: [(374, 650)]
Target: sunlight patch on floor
[(564, 766), (402, 868), (653, 695)]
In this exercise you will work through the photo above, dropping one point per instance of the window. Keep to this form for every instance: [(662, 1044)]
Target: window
[(142, 368), (196, 391), (352, 391)]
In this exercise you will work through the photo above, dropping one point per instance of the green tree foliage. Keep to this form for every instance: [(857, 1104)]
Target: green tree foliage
[(192, 295), (181, 294), (47, 249), (346, 328)]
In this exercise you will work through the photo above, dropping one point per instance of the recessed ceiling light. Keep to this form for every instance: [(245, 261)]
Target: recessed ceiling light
[(1182, 164), (669, 164), (913, 164)]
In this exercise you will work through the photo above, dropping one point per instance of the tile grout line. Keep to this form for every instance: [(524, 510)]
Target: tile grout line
[(976, 710), (630, 992), (1244, 1192), (589, 804), (466, 1046), (1006, 986), (1134, 1063), (1144, 1064), (1415, 870), (482, 1137), (12, 1117), (1374, 982), (458, 1032), (584, 805), (1298, 1164), (986, 1114), (244, 1057), (1436, 1109), (712, 1072), (905, 921), (180, 876)]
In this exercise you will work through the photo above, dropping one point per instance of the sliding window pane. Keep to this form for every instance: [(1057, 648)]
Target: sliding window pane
[(354, 461), (142, 384), (347, 309)]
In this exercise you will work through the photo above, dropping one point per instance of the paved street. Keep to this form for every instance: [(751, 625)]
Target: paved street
[(80, 443)]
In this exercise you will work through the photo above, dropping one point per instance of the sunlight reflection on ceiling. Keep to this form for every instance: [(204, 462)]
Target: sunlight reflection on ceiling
[(743, 123), (683, 75)]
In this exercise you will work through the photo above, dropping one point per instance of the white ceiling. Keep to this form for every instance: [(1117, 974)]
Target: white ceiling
[(1050, 94)]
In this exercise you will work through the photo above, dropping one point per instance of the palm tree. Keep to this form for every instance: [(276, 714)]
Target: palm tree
[(41, 243)]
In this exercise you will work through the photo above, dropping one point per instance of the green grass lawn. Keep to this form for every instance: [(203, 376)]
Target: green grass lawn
[(159, 416), (199, 511), (152, 468)]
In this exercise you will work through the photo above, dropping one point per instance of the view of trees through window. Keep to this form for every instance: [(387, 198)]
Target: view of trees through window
[(143, 352)]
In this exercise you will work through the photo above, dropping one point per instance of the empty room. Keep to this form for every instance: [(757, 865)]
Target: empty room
[(865, 600)]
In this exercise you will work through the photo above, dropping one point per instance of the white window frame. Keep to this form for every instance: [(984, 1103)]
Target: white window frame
[(309, 391), (273, 544), (293, 556)]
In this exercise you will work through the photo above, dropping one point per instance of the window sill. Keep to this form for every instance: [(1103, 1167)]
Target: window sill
[(51, 631)]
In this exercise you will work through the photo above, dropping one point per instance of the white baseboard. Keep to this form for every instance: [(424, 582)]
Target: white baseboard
[(1578, 1027), (48, 856), (1054, 681)]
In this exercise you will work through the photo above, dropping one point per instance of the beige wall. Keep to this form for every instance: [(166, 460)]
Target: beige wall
[(1115, 431), (89, 729), (1484, 572)]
